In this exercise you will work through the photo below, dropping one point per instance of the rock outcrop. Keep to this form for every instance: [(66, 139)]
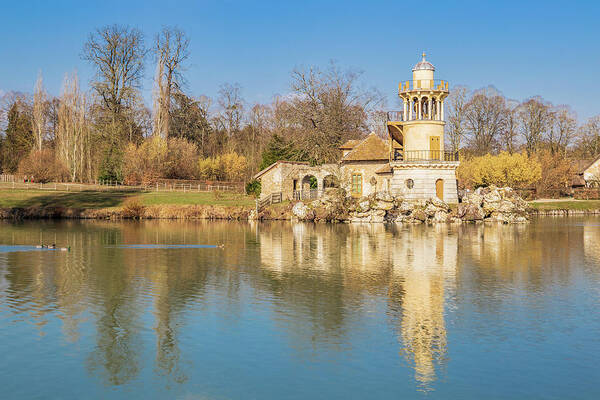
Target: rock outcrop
[(484, 204), (493, 204)]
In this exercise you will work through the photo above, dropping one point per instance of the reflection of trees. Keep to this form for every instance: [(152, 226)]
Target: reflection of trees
[(118, 345), (320, 281), (527, 257), (297, 270), (114, 284)]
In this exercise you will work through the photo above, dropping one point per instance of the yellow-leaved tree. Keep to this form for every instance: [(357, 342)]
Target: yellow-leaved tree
[(226, 167), (516, 170), (145, 163)]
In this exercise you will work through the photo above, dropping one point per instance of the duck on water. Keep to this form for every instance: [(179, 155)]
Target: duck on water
[(53, 247)]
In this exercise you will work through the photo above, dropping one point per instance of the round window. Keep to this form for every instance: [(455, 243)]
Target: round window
[(410, 183)]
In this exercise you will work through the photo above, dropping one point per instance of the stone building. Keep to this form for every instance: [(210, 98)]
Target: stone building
[(413, 163), (586, 173)]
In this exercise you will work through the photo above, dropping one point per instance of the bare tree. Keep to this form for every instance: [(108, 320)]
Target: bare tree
[(52, 117), (457, 116), (73, 143), (562, 127), (328, 107), (160, 113), (534, 118), (378, 120), (172, 50), (510, 131), (485, 114), (588, 140), (232, 106), (39, 114), (118, 54)]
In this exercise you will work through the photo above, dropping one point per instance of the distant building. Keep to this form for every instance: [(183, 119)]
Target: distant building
[(413, 163), (587, 173)]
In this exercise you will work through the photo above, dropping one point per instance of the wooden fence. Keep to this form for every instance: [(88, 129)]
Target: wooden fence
[(11, 178), (104, 186), (311, 194), (273, 198)]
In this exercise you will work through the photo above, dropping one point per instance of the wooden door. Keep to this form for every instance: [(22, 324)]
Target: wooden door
[(439, 189), (434, 148)]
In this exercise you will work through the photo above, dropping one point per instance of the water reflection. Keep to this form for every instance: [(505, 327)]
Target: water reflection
[(318, 284), (413, 266)]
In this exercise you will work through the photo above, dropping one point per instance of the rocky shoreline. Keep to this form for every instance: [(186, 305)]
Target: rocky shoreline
[(485, 204)]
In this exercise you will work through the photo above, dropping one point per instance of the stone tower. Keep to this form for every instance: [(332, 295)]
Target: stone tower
[(420, 166)]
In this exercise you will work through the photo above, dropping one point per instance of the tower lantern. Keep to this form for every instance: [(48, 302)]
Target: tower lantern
[(423, 71)]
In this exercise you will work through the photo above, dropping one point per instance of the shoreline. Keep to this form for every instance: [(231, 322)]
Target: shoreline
[(333, 207), (200, 212)]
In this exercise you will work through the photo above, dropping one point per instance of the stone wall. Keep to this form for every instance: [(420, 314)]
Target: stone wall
[(424, 178), (368, 171), (592, 173)]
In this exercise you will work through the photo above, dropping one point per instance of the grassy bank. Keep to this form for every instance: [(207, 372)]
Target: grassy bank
[(572, 205), (19, 198)]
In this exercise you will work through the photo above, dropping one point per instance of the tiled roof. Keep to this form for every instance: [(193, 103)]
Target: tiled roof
[(386, 169), (371, 148), (261, 173), (579, 166), (349, 144)]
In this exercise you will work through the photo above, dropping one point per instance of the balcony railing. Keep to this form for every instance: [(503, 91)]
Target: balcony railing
[(395, 116), (423, 84), (433, 156), (398, 116)]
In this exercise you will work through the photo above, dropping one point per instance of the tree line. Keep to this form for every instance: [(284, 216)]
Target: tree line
[(484, 121), (109, 133)]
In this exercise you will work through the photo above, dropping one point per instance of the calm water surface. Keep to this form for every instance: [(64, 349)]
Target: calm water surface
[(297, 311)]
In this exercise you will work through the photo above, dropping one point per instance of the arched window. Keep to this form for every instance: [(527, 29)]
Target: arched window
[(410, 183)]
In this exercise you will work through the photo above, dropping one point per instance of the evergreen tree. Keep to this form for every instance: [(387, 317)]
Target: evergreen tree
[(19, 138), (279, 149)]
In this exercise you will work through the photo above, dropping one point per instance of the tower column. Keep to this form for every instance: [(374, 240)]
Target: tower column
[(410, 109), (429, 109), (442, 109), (405, 109), (419, 109)]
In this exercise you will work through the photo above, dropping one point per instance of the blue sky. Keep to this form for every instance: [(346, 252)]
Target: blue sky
[(524, 48)]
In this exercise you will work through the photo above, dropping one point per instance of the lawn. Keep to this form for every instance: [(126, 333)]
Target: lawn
[(565, 205), (10, 198)]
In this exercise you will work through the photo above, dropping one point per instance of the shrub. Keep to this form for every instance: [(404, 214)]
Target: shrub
[(145, 163), (42, 166), (514, 170), (253, 188), (226, 167), (556, 175), (133, 208), (181, 162)]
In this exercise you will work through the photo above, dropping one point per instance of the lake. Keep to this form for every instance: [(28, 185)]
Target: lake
[(154, 309)]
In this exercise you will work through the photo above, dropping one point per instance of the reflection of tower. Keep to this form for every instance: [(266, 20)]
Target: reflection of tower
[(416, 264), (425, 263), (591, 242)]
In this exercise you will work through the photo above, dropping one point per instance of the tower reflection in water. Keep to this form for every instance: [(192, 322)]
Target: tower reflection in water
[(415, 266)]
